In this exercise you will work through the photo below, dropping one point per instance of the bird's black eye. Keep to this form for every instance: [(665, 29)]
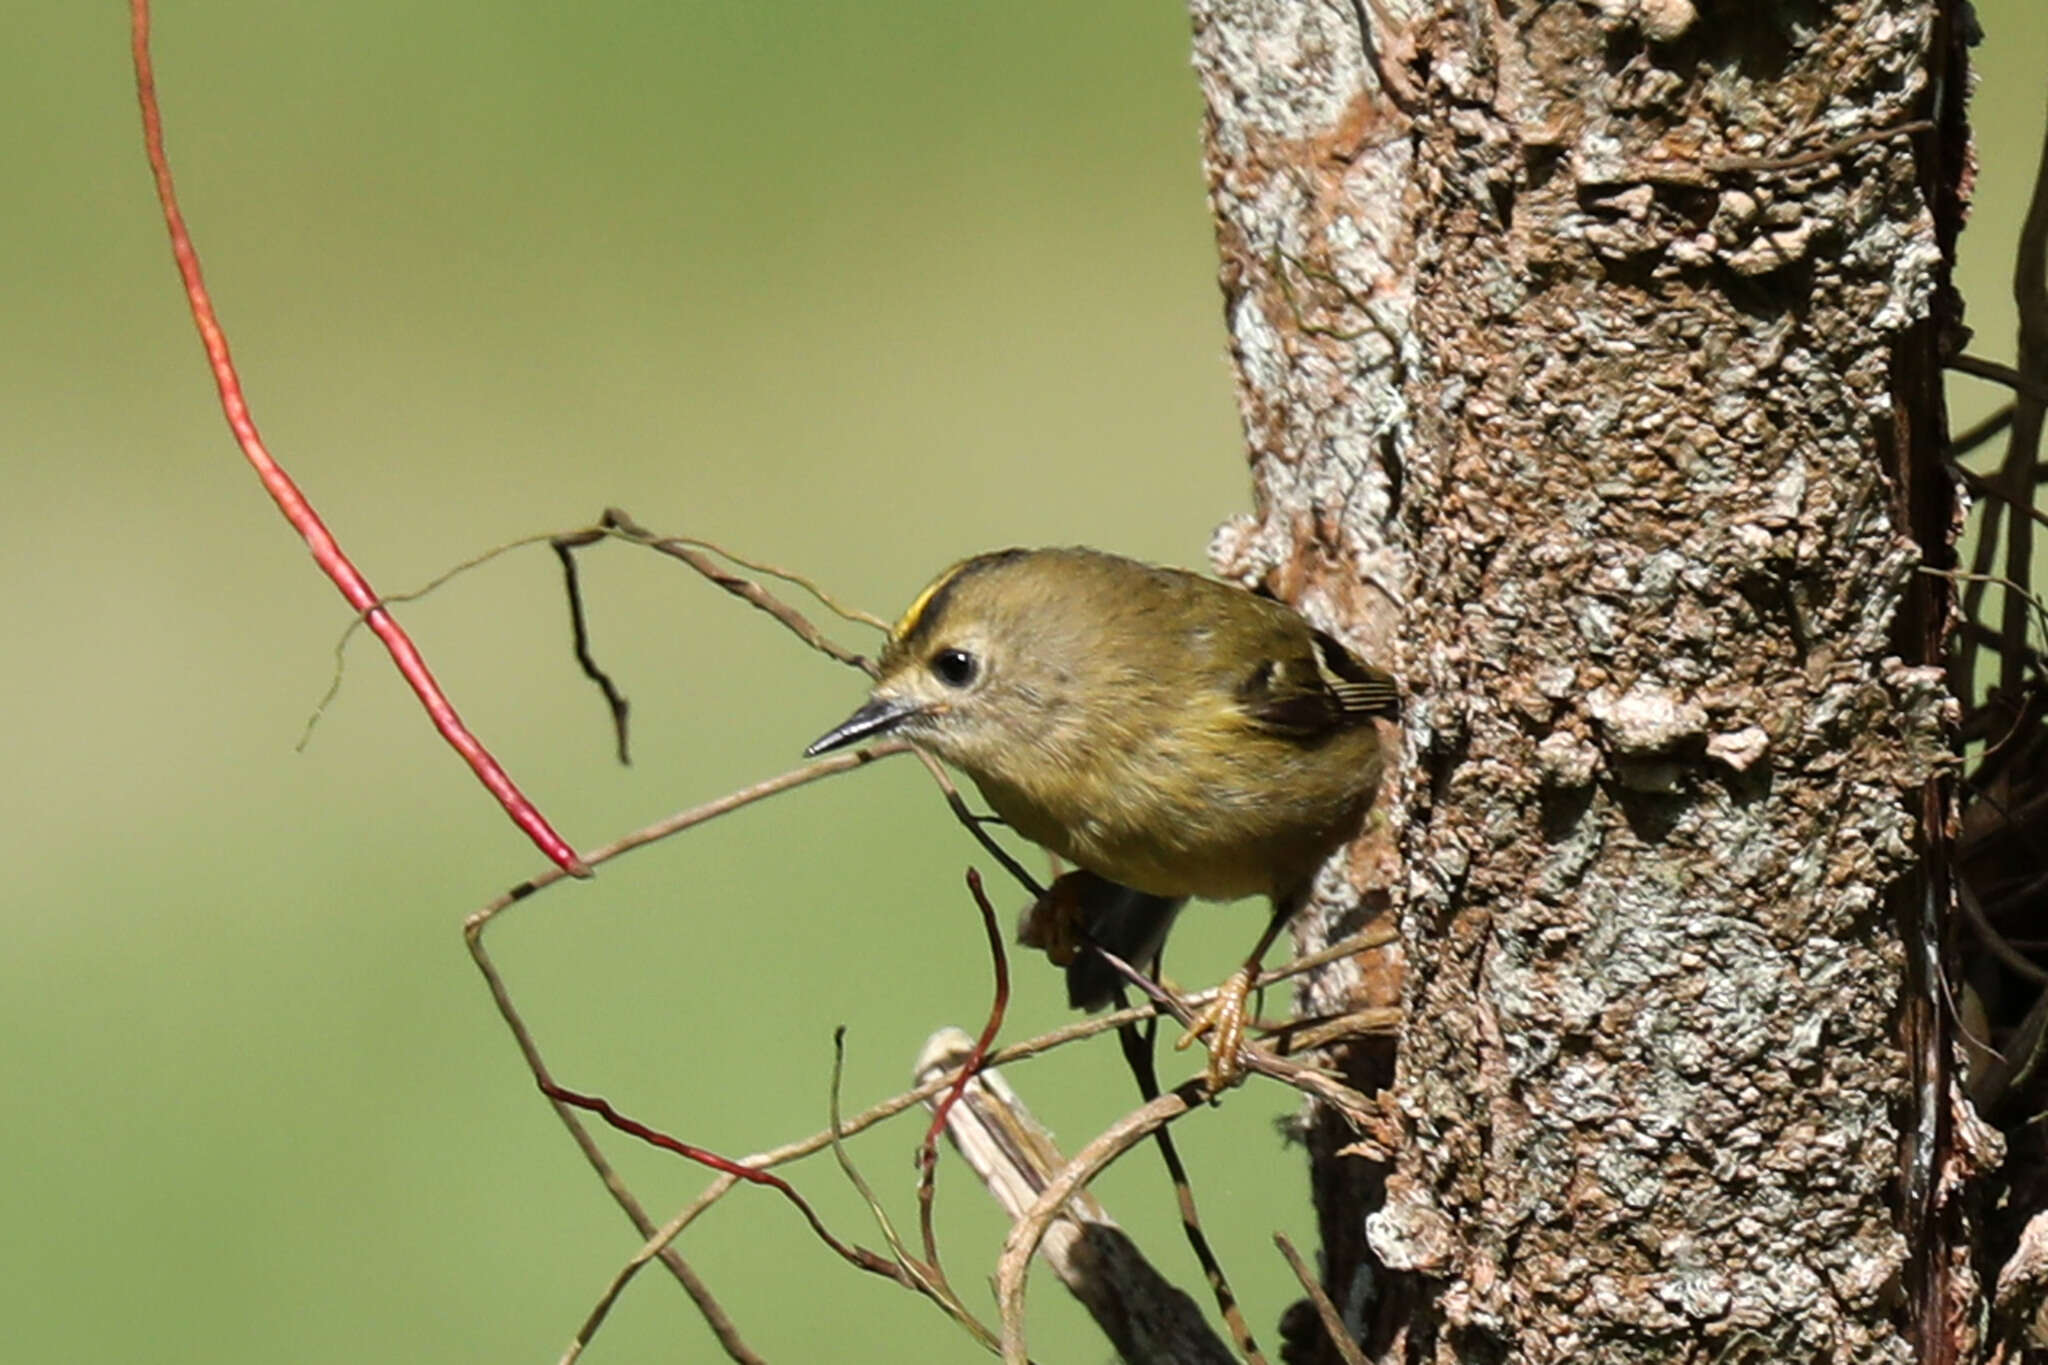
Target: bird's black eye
[(955, 667)]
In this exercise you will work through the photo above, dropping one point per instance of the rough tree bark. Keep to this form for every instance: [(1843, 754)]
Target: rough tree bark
[(1587, 357)]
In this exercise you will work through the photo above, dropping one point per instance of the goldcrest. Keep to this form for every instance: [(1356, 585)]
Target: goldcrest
[(1165, 732)]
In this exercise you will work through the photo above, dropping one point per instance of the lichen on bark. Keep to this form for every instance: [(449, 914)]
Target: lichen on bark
[(1568, 379)]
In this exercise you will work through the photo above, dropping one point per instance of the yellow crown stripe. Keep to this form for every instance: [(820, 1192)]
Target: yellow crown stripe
[(916, 610)]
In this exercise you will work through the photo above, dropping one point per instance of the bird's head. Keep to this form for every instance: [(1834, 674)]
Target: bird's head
[(978, 665)]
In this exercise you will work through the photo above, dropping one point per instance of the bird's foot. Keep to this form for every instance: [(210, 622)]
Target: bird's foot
[(1053, 923), (1221, 1022)]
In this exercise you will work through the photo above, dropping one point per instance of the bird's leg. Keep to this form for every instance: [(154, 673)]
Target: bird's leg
[(1222, 1019)]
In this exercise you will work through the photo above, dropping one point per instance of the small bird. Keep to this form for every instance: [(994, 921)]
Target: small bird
[(1170, 735)]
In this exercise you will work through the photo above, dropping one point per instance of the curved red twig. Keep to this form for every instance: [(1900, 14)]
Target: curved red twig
[(290, 501)]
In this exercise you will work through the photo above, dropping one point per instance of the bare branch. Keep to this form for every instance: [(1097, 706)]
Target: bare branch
[(1145, 1317), (1030, 1230), (1333, 1322)]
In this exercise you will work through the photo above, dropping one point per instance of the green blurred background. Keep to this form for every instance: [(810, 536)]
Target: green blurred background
[(858, 288)]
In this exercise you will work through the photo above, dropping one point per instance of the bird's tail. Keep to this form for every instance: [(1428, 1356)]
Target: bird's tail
[(1131, 924)]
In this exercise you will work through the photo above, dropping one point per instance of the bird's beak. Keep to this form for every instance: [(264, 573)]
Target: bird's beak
[(878, 717)]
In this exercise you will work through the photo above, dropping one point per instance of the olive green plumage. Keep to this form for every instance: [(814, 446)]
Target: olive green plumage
[(1168, 732)]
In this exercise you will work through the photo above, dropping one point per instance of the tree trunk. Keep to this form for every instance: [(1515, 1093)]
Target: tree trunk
[(1587, 360)]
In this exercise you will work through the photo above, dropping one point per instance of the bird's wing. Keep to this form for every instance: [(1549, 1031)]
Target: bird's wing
[(1313, 687)]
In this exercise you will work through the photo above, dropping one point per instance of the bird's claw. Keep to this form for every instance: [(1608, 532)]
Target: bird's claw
[(1221, 1022), (1052, 923)]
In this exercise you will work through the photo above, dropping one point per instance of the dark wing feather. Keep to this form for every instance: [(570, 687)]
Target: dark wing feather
[(1316, 692)]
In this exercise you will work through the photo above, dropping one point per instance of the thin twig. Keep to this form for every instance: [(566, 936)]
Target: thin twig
[(1356, 1109), (473, 931), (2001, 948), (326, 551), (1999, 374), (926, 1276), (1991, 489), (1981, 636), (1138, 1045), (2028, 893), (2013, 590), (975, 825), (1333, 1321), (713, 1312), (1306, 1035), (356, 623), (1026, 1233), (853, 1254), (1148, 1320), (618, 523), (809, 585), (565, 548), (656, 1244), (746, 589), (2023, 448), (1373, 936), (1967, 441), (696, 815), (999, 1003), (1982, 559)]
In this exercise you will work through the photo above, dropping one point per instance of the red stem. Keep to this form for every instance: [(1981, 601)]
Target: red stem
[(998, 1005), (290, 501), (928, 1152), (704, 1156)]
